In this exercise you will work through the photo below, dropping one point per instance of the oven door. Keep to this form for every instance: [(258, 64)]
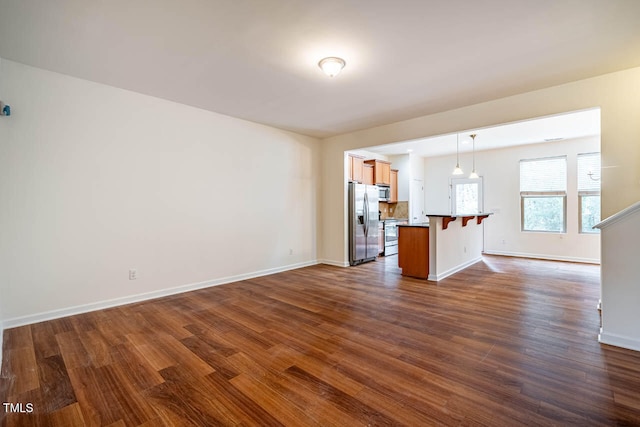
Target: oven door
[(390, 233)]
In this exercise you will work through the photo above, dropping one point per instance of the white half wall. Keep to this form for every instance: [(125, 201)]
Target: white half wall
[(95, 181), (455, 248), (621, 280), (500, 170)]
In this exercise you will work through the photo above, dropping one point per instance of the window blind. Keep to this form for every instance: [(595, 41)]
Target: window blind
[(589, 162), (543, 175)]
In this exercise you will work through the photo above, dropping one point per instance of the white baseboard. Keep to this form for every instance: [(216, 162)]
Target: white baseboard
[(444, 274), (335, 263), (85, 308), (619, 341), (1, 345), (543, 256)]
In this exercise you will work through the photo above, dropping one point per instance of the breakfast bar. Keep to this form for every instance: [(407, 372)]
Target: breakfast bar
[(443, 246)]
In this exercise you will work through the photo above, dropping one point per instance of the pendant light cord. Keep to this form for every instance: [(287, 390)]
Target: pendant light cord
[(473, 138), (474, 174)]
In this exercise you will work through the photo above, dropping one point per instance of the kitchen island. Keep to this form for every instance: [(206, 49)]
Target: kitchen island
[(443, 246)]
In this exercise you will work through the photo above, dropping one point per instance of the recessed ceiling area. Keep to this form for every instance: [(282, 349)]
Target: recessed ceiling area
[(544, 129), (258, 60)]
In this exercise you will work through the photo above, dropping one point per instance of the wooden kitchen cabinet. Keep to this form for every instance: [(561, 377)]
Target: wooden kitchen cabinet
[(413, 251), (393, 193), (367, 174), (381, 171), (356, 166)]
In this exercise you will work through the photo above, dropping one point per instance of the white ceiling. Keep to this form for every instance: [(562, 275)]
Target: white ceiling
[(257, 59), (544, 129)]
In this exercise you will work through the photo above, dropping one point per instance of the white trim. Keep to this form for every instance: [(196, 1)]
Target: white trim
[(541, 256), (618, 341), (1, 343), (435, 278), (334, 263), (618, 216), (79, 309)]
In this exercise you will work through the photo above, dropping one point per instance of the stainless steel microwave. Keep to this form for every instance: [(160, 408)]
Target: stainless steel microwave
[(384, 193)]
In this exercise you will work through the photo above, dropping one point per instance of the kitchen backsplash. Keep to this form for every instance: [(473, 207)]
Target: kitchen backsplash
[(394, 210)]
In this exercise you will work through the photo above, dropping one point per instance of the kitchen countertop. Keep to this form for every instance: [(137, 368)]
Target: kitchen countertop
[(450, 215), (395, 219), (419, 224)]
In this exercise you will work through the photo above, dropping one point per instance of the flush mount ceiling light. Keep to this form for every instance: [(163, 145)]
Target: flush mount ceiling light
[(473, 174), (457, 170), (331, 65)]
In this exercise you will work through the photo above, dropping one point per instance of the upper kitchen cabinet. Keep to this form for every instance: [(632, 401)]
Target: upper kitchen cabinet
[(356, 166), (381, 171), (393, 194), (367, 174)]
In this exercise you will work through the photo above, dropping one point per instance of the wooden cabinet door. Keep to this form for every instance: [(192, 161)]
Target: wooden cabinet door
[(355, 168), (385, 169), (413, 251), (393, 197), (381, 171), (367, 174)]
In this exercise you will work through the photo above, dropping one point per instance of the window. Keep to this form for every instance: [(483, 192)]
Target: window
[(466, 195), (543, 194), (588, 191)]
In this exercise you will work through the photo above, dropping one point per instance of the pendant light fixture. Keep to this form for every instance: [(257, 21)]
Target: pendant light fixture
[(457, 170), (473, 174)]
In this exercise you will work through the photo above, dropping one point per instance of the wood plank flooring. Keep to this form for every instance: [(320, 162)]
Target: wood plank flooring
[(506, 342)]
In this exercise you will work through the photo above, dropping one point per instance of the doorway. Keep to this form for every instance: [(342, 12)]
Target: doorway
[(466, 195)]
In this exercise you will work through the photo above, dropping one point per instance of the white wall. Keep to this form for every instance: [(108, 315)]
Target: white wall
[(368, 155), (500, 170), (617, 95), (417, 209), (3, 277), (1, 321), (96, 180), (402, 163)]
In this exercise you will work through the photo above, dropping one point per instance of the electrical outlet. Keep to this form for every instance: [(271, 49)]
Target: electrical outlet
[(133, 274)]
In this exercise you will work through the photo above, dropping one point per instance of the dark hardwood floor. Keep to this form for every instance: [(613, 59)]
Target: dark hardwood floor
[(506, 342)]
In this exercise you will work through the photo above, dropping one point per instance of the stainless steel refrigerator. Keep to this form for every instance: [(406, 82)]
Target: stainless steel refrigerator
[(363, 223)]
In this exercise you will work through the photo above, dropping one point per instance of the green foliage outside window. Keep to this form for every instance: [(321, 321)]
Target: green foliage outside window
[(590, 213), (543, 214)]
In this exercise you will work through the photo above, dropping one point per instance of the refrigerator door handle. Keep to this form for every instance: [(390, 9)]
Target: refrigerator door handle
[(367, 201), (366, 214)]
